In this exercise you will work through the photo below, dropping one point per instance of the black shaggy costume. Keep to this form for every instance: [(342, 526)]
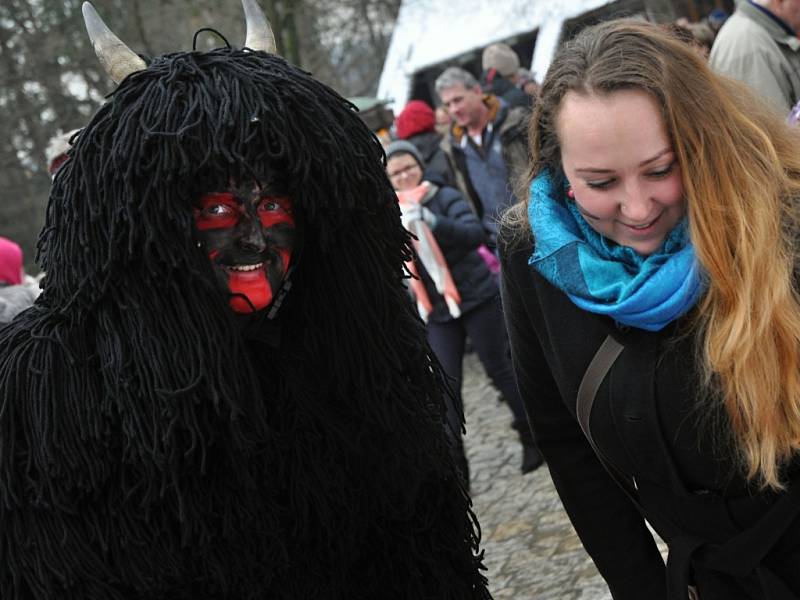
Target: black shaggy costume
[(155, 445)]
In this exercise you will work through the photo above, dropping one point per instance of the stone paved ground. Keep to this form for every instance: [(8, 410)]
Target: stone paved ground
[(532, 551)]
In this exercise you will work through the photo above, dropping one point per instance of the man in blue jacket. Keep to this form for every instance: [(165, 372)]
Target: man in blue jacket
[(486, 146)]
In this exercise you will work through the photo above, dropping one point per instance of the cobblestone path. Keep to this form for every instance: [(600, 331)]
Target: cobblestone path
[(532, 551)]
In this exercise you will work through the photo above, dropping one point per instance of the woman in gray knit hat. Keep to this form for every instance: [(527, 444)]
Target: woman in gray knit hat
[(457, 292)]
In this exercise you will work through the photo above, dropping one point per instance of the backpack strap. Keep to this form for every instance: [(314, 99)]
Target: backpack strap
[(596, 372)]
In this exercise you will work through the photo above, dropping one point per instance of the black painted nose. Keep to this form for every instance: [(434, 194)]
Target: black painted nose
[(252, 238)]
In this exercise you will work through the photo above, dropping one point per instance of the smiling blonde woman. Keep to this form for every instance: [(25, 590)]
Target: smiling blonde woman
[(650, 296)]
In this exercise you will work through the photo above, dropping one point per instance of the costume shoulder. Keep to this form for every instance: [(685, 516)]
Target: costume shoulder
[(42, 368), (107, 482), (41, 466)]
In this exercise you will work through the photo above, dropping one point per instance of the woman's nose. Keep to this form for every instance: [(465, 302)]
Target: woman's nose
[(636, 204)]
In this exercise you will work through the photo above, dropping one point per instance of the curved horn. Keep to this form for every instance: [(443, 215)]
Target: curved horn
[(117, 59), (259, 32)]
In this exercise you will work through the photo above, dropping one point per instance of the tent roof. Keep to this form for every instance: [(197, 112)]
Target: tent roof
[(428, 32)]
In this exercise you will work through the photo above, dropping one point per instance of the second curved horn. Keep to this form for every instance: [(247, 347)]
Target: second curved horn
[(259, 32)]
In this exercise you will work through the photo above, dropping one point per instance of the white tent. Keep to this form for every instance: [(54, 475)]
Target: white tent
[(428, 32)]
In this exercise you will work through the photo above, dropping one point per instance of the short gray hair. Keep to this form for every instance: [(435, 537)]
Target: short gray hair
[(453, 76)]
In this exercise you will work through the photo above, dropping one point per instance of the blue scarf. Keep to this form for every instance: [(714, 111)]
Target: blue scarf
[(603, 277)]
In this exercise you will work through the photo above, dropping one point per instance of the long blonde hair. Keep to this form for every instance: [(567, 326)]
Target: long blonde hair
[(741, 173)]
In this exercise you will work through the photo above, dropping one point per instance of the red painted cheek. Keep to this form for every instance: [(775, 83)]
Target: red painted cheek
[(276, 217), (275, 211), (286, 257), (216, 211), (204, 224)]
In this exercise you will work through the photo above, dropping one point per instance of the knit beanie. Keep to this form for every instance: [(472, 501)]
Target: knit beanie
[(502, 58), (10, 262), (416, 117), (404, 147)]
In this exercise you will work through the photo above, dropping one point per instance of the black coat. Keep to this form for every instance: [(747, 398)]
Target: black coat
[(652, 420), (458, 233)]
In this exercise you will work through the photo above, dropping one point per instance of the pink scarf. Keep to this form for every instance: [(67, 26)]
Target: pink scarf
[(431, 257)]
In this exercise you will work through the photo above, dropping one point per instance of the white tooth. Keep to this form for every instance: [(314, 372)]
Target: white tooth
[(246, 267)]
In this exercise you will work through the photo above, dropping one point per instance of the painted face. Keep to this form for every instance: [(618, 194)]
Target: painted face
[(249, 236), (465, 105), (620, 164), (404, 172)]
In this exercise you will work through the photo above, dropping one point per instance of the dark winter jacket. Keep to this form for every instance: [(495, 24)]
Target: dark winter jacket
[(652, 420), (458, 233), (433, 158), (506, 135)]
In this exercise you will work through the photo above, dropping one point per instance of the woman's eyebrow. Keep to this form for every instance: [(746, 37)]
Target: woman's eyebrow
[(661, 153)]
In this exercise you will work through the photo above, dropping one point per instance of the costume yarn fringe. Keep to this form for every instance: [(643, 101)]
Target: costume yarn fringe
[(147, 450)]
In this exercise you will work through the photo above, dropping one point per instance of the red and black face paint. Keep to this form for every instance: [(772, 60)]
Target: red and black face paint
[(249, 236)]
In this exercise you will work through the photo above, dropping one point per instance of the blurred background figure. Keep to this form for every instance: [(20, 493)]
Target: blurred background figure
[(794, 115), (703, 37), (527, 83), (486, 147), (443, 120), (375, 115), (416, 123), (56, 151), (11, 271), (17, 290), (758, 46), (697, 35), (457, 294), (716, 19), (500, 66)]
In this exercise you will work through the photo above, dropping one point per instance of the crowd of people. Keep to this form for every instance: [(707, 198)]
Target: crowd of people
[(242, 377), (649, 284), (463, 177), (479, 150)]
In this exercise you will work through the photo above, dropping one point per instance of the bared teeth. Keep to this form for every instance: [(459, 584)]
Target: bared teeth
[(246, 267)]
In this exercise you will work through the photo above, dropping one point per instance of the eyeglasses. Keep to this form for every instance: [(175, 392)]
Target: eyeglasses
[(404, 171)]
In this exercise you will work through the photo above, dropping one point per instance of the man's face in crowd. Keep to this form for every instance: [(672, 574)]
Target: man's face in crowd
[(465, 105), (248, 234), (788, 10)]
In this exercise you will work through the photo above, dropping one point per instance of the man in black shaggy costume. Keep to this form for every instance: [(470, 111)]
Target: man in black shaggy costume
[(223, 391)]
